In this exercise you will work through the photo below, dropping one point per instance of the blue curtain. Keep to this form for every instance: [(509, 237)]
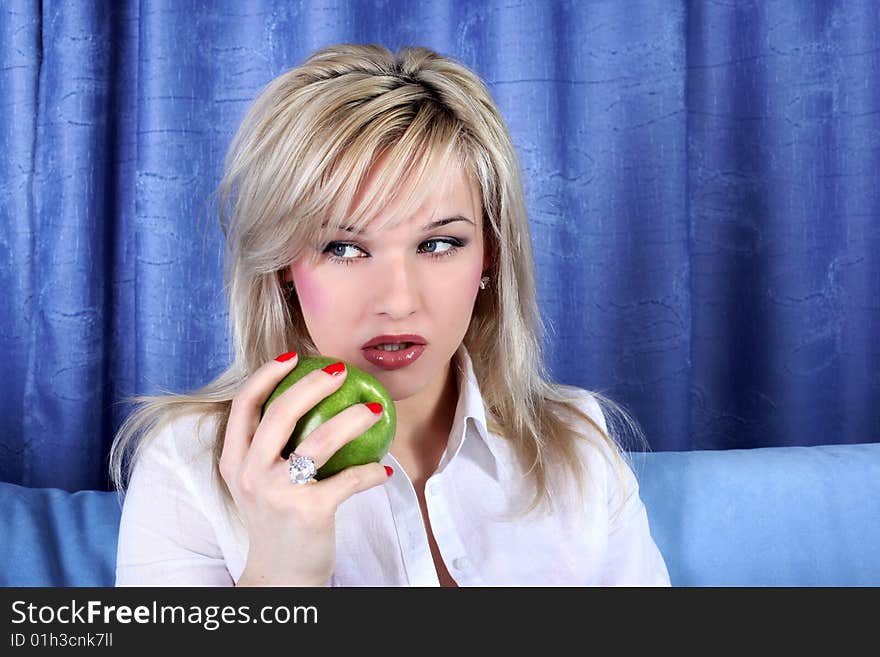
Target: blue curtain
[(702, 180)]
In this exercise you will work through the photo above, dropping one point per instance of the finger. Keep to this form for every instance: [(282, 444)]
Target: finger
[(244, 415), (355, 479), (341, 429), (283, 413)]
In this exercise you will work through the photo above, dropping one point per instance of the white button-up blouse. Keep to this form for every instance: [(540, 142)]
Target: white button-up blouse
[(175, 531)]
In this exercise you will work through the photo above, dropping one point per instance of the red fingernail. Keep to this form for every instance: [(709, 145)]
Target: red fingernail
[(335, 368), (375, 407), (389, 470), (285, 357)]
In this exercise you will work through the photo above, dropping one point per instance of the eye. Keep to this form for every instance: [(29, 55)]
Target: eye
[(335, 250), (452, 244)]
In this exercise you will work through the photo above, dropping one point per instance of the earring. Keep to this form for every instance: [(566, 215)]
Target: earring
[(484, 282)]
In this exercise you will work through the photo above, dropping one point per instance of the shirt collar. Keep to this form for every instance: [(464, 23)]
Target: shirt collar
[(470, 421)]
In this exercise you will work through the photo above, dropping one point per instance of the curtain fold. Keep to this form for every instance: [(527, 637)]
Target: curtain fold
[(701, 181), (783, 145), (20, 35)]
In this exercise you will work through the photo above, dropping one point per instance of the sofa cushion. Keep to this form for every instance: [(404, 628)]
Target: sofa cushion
[(51, 537), (775, 516)]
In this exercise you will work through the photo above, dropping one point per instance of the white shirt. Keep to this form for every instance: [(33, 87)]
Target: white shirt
[(174, 530)]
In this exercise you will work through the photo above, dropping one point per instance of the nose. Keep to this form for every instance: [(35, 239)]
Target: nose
[(396, 289)]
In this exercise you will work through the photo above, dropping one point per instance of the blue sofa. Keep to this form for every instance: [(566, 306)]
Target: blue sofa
[(777, 516)]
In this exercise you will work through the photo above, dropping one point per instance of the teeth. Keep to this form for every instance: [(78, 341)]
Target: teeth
[(393, 347)]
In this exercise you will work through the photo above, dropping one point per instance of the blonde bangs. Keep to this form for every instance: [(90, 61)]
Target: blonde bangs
[(382, 174), (309, 168)]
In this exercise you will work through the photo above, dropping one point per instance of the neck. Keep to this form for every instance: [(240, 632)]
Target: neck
[(426, 418)]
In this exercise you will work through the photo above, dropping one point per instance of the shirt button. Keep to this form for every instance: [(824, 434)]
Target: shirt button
[(433, 489), (461, 563)]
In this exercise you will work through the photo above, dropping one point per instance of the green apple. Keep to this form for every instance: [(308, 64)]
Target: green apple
[(359, 387)]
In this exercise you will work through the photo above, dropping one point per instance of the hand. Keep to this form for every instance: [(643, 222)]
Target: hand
[(291, 527)]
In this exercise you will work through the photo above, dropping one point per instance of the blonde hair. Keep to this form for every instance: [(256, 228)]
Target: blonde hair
[(293, 173)]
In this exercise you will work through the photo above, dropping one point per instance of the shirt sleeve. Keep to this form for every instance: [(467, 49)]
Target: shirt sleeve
[(631, 556), (165, 538)]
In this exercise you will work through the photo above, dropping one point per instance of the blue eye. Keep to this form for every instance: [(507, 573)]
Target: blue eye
[(340, 247), (332, 249)]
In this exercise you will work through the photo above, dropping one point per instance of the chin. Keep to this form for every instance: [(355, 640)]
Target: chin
[(403, 383)]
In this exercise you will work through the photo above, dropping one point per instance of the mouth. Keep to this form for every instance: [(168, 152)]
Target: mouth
[(394, 342), (393, 352)]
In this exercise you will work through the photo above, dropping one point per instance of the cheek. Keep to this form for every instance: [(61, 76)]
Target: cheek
[(459, 292), (457, 286), (476, 275), (308, 290)]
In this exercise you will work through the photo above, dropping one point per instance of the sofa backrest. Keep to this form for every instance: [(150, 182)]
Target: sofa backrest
[(779, 516)]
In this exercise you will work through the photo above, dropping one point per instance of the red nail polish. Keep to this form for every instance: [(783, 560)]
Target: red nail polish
[(375, 407), (335, 368), (285, 357), (389, 470)]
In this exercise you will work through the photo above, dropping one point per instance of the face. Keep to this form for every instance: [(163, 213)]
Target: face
[(403, 279)]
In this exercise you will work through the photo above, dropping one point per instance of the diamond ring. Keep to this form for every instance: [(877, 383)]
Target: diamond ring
[(302, 468)]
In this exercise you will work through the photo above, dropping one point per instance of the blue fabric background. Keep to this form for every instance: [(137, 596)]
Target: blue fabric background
[(702, 180)]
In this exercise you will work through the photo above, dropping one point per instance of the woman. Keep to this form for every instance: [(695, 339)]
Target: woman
[(374, 198)]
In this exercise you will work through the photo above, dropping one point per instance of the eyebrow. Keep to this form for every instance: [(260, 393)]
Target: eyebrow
[(425, 229)]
